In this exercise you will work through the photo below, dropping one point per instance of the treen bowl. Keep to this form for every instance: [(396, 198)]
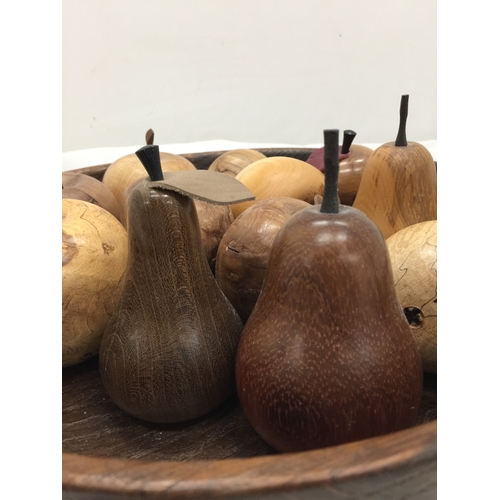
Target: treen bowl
[(107, 454)]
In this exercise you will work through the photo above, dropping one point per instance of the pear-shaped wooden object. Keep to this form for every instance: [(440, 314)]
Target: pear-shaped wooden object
[(169, 350), (327, 355), (398, 187)]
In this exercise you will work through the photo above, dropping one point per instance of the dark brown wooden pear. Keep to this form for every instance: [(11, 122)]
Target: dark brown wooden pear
[(169, 350), (398, 187), (327, 355)]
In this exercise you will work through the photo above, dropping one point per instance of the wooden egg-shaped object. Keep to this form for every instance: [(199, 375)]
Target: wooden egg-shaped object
[(232, 162), (413, 253), (244, 250), (280, 176), (94, 259), (127, 170)]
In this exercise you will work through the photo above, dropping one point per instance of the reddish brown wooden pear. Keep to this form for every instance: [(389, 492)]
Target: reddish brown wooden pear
[(168, 352), (327, 355)]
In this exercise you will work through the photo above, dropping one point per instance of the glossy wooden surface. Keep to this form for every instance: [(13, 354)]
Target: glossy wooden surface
[(107, 454), (327, 355)]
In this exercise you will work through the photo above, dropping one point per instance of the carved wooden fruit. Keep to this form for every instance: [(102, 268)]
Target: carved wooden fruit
[(128, 171), (413, 253), (214, 221), (94, 259), (327, 355), (280, 176), (232, 162), (399, 183), (84, 187), (244, 249), (352, 161), (168, 352)]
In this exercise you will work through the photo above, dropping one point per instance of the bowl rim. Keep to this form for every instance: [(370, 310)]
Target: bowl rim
[(413, 447)]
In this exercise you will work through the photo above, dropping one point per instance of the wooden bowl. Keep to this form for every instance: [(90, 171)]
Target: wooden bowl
[(107, 454)]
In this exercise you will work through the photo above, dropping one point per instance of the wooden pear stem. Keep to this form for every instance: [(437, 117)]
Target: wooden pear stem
[(403, 115), (349, 136), (150, 137), (150, 158), (330, 202)]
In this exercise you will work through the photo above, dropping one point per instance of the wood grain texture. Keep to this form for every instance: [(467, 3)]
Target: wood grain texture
[(214, 221), (244, 250), (87, 188), (232, 162), (398, 187), (94, 243), (168, 352), (327, 355), (128, 170), (413, 252), (108, 454)]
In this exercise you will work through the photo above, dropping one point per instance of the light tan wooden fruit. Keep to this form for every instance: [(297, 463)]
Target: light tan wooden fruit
[(128, 169), (87, 188), (413, 253), (232, 162), (243, 252), (94, 259), (280, 176), (398, 187)]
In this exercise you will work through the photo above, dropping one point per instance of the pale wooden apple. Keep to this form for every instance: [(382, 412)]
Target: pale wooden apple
[(128, 169), (413, 253), (94, 260), (234, 161)]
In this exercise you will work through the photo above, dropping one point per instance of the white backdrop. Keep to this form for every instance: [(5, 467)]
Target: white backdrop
[(277, 71)]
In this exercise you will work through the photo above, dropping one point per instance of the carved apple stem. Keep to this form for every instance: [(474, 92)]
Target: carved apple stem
[(349, 136), (403, 115), (150, 137), (330, 202), (150, 159)]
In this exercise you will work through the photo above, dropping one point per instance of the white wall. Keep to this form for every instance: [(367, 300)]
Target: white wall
[(277, 71)]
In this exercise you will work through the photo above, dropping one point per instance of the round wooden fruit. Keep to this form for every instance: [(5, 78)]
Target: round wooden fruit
[(413, 253), (221, 455), (94, 259), (280, 176), (128, 170), (232, 162), (244, 249)]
